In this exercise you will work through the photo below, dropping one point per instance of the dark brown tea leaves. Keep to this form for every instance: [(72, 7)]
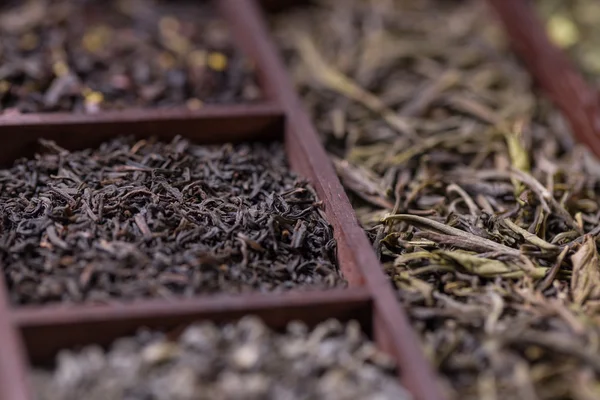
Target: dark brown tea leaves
[(148, 219), (482, 209), (83, 56)]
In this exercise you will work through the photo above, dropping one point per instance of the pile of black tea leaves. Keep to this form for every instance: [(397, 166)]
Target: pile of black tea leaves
[(138, 219)]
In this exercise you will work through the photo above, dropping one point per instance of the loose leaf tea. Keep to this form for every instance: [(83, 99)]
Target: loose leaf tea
[(484, 212), (573, 26), (241, 360), (149, 219), (83, 56)]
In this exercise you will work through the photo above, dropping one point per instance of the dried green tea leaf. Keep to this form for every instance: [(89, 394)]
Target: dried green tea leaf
[(362, 182), (450, 231), (335, 80), (519, 156), (489, 268), (530, 237), (585, 281)]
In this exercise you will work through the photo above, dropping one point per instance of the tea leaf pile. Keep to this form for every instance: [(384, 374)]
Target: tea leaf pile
[(149, 219), (484, 212)]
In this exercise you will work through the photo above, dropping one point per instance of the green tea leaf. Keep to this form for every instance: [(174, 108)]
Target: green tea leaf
[(585, 281)]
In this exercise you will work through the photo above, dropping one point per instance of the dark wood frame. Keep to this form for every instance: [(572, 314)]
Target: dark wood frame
[(34, 334)]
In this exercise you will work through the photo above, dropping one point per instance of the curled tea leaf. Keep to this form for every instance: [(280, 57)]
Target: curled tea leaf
[(489, 268), (585, 281)]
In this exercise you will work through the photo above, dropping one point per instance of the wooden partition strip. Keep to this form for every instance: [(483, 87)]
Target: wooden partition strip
[(552, 70), (249, 24), (14, 383), (67, 314), (47, 330), (213, 124)]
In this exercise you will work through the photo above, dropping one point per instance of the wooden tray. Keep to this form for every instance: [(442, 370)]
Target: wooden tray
[(34, 334)]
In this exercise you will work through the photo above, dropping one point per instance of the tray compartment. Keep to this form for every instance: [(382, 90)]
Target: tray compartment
[(198, 134), (176, 117), (36, 335), (84, 58), (42, 333)]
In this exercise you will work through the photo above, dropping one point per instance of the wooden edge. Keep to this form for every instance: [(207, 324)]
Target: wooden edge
[(263, 70), (351, 270), (61, 313), (552, 70), (61, 119), (212, 124), (395, 336), (311, 160), (13, 373), (45, 332)]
